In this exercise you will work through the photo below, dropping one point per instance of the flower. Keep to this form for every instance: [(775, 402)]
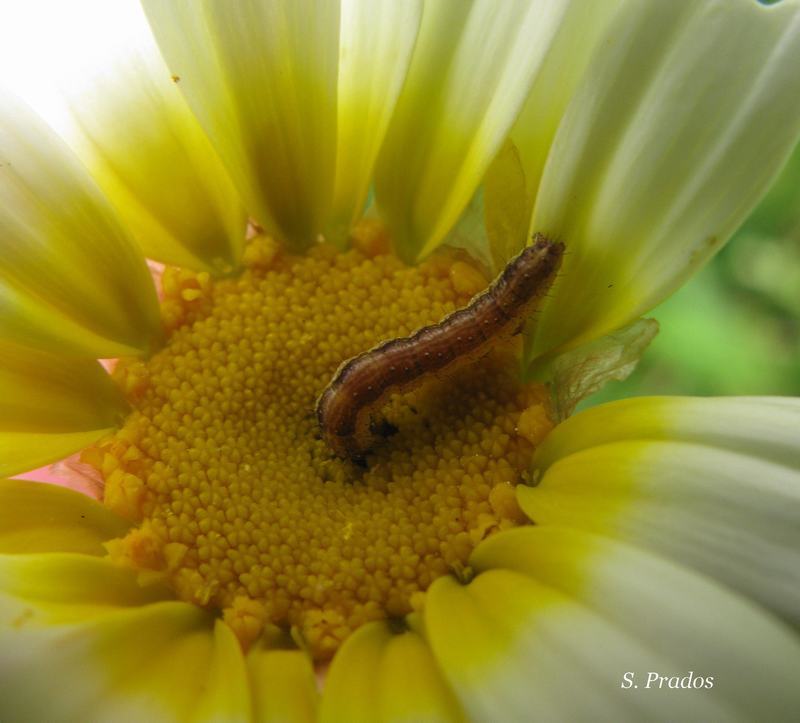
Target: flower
[(659, 576)]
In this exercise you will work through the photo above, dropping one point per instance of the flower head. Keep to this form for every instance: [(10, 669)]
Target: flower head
[(485, 557)]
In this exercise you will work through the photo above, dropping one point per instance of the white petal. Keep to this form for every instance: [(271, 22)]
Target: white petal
[(686, 114), (472, 68), (70, 277)]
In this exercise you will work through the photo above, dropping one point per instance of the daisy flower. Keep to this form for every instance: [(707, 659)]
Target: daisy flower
[(493, 557)]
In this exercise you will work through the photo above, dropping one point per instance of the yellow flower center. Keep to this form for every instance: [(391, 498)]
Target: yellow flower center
[(237, 502)]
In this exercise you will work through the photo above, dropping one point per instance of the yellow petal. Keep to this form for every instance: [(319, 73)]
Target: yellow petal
[(51, 407), (684, 117), (350, 688), (38, 517), (225, 694), (25, 451), (105, 87), (262, 77), (56, 589), (470, 74), (378, 675), (505, 207), (42, 392), (411, 684), (283, 684), (80, 640), (70, 278)]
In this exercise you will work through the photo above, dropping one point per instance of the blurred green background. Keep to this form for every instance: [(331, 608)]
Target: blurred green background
[(735, 327)]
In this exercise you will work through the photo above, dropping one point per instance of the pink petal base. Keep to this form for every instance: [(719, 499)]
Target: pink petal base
[(71, 473)]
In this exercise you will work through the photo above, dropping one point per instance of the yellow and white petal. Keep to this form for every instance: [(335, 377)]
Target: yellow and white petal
[(383, 676), (51, 407), (37, 517), (42, 392), (224, 693), (582, 28), (70, 278), (350, 689), (764, 427), (157, 662), (111, 97), (685, 115), (712, 483), (283, 686), (555, 618), (79, 639), (376, 40), (412, 686), (262, 79), (470, 74), (53, 589), (723, 503)]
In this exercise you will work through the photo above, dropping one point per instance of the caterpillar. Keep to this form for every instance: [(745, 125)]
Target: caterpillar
[(361, 385)]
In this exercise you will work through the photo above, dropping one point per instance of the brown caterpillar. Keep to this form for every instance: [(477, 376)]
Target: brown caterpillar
[(362, 384)]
